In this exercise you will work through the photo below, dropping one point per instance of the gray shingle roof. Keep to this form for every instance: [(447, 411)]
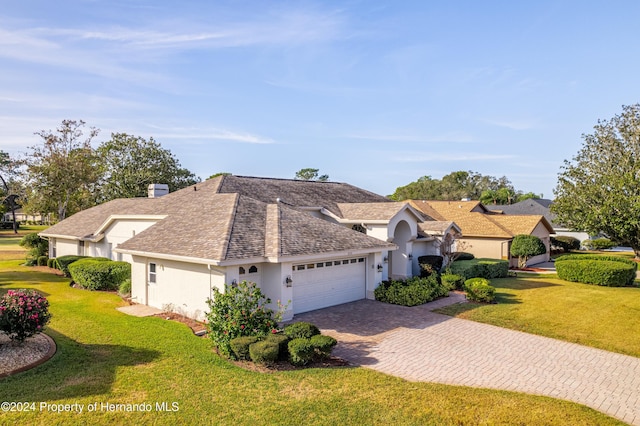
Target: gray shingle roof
[(528, 207), (205, 221), (372, 211), (297, 193), (84, 223), (240, 227)]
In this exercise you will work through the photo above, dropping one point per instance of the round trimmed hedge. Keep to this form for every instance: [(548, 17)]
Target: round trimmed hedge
[(99, 273), (610, 271)]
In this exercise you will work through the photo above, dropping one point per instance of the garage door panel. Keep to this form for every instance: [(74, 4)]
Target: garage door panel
[(328, 286)]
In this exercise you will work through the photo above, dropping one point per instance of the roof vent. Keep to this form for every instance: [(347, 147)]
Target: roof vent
[(156, 190)]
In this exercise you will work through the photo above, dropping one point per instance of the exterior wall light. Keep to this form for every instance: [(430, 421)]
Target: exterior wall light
[(234, 283), (288, 281), (379, 267), (410, 256), (385, 259)]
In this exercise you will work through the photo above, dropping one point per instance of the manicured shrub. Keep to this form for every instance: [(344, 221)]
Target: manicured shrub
[(301, 330), (411, 292), (525, 246), (282, 340), (599, 244), (264, 352), (620, 259), (608, 273), (301, 351), (52, 263), (42, 260), (240, 311), (461, 255), (452, 281), (37, 246), (430, 264), (566, 242), (65, 261), (124, 289), (240, 346), (480, 268), (323, 345), (479, 290), (23, 313), (99, 273)]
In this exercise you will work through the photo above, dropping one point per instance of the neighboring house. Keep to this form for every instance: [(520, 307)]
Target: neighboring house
[(315, 244), (538, 207), (485, 233), (21, 216)]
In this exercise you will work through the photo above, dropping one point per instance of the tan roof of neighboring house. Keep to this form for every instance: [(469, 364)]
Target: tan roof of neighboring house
[(476, 224)]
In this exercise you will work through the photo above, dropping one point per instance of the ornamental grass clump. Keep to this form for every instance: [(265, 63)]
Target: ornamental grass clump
[(240, 311), (23, 313)]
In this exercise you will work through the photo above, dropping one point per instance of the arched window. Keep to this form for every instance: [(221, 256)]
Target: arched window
[(241, 270), (359, 228), (253, 269)]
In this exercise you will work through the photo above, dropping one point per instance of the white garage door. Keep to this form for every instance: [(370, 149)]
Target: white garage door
[(322, 284)]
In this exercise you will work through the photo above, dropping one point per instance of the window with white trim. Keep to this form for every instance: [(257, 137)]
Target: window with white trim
[(152, 273)]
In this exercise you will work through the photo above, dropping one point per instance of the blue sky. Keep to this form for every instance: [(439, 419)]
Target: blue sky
[(372, 93)]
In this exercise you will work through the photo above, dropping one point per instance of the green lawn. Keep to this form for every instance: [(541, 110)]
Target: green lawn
[(108, 357), (602, 317)]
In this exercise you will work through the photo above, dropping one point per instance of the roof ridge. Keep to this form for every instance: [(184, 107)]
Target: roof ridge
[(229, 230), (273, 231)]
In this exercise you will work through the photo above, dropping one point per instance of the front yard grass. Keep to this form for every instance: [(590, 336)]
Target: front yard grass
[(105, 356), (601, 317)]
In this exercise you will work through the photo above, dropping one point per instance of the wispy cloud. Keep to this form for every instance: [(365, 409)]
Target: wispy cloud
[(522, 124), (422, 157), (196, 134)]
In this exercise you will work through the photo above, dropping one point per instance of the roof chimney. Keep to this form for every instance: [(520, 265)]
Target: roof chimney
[(156, 190)]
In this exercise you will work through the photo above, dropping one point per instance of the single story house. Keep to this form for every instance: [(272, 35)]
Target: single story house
[(312, 244), (486, 233), (539, 207)]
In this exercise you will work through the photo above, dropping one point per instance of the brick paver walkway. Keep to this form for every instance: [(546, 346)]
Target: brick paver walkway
[(420, 345)]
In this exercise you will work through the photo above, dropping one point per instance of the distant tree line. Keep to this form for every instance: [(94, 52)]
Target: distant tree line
[(460, 185), (65, 174)]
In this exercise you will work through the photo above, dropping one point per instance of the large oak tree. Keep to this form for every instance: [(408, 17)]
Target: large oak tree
[(131, 163), (598, 191), (64, 170)]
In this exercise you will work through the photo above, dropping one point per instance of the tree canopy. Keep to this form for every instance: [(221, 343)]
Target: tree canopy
[(462, 184), (525, 246), (66, 174), (311, 174), (598, 191), (131, 163), (64, 170), (9, 186)]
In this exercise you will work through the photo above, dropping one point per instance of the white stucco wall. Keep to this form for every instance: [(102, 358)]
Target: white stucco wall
[(65, 247), (180, 287), (541, 232)]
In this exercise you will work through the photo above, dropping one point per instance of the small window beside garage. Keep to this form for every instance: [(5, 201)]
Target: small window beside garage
[(152, 273), (328, 264), (253, 269), (320, 265), (360, 259), (311, 265)]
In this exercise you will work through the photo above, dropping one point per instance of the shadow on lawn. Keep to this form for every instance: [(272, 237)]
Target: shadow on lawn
[(76, 370)]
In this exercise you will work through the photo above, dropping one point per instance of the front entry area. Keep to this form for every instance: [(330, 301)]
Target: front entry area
[(332, 282)]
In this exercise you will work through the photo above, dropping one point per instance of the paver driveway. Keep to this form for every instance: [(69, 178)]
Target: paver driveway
[(420, 345)]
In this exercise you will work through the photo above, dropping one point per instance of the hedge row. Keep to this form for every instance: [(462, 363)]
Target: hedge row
[(99, 273), (411, 292), (480, 268), (605, 272), (597, 257), (63, 263)]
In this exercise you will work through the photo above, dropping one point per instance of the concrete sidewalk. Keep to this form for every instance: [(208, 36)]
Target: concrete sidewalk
[(420, 345)]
